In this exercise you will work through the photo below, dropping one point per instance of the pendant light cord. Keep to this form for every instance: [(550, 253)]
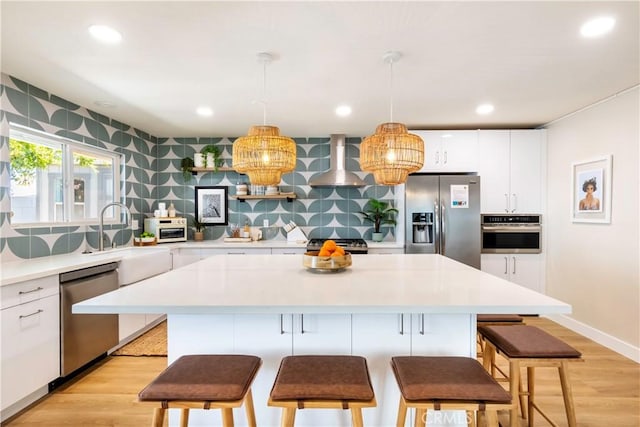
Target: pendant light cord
[(391, 90), (264, 93)]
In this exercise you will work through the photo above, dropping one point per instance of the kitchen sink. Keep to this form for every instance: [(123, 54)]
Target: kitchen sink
[(138, 263)]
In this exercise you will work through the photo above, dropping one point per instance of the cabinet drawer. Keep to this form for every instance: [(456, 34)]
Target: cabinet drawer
[(30, 348), (31, 290)]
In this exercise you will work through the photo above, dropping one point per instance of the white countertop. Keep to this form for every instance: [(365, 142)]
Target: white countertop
[(28, 269), (259, 284)]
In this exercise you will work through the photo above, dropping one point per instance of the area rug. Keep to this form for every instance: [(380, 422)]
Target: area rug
[(151, 343)]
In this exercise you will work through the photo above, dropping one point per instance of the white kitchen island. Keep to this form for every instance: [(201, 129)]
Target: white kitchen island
[(270, 306)]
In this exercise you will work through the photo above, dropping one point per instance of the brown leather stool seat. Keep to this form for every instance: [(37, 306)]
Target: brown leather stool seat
[(530, 347), (447, 382), (322, 382), (499, 318), (204, 381)]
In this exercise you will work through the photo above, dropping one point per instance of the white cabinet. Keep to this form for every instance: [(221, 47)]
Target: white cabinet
[(511, 166), (449, 151), (30, 347), (205, 253), (321, 333), (379, 337), (523, 269), (442, 334)]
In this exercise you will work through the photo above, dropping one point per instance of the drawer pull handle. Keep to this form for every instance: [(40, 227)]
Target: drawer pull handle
[(39, 288), (22, 316)]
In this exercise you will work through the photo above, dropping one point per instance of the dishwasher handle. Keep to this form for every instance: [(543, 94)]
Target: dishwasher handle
[(83, 273)]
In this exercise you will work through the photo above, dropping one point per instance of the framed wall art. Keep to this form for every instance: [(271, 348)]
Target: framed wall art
[(591, 190), (211, 205)]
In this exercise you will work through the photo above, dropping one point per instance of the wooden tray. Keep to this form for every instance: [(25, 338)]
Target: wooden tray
[(155, 242)]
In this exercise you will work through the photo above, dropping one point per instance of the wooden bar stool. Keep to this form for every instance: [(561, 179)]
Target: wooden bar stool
[(496, 319), (530, 347), (340, 382), (204, 381), (434, 383)]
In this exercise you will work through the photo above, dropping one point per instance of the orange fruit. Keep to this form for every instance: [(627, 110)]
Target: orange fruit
[(336, 253), (324, 252), (339, 250), (329, 245)]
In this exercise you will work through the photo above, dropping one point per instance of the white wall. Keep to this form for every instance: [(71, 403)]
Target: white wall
[(595, 267)]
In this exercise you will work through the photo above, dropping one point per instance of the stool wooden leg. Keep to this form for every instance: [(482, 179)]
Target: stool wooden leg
[(471, 418), (514, 380), (402, 413), (421, 418), (356, 417), (158, 417), (567, 395), (530, 393), (491, 418), (248, 406), (227, 417), (184, 417), (288, 417)]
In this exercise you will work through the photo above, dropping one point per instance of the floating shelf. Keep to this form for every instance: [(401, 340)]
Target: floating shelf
[(220, 169), (289, 196)]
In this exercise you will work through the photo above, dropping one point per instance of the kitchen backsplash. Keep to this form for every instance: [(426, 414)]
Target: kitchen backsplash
[(153, 174)]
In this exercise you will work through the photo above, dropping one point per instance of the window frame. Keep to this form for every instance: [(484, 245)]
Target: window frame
[(68, 147)]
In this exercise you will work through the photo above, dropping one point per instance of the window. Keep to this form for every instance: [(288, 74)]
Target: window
[(55, 180)]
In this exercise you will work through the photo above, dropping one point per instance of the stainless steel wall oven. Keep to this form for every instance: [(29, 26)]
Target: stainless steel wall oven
[(515, 233)]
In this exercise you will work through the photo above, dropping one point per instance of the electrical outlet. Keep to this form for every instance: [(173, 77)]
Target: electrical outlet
[(265, 222), (134, 224)]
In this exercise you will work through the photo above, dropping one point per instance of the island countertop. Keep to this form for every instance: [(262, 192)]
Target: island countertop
[(262, 284)]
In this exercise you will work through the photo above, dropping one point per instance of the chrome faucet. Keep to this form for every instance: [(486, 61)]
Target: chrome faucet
[(100, 231)]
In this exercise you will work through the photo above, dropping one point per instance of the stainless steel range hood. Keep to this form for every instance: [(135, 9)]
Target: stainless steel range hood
[(337, 175)]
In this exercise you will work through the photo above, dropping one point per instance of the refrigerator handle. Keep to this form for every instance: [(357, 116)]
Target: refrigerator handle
[(506, 202), (443, 216), (436, 236)]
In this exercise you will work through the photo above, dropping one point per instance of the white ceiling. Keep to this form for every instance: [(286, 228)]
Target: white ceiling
[(527, 58)]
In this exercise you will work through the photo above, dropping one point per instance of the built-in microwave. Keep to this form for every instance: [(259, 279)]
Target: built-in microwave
[(514, 233), (167, 230)]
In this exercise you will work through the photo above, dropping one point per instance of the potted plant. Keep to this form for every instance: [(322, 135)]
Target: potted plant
[(212, 154), (198, 230), (379, 212), (186, 165)]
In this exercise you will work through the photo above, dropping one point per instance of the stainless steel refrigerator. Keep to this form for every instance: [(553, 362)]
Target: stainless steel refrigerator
[(443, 216)]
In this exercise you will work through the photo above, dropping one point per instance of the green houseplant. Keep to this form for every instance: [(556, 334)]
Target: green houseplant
[(379, 212), (198, 229), (186, 165), (215, 152)]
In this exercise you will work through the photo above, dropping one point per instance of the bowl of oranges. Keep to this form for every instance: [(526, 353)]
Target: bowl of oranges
[(331, 258)]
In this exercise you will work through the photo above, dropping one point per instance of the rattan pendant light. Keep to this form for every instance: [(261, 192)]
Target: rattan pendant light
[(392, 153), (264, 155)]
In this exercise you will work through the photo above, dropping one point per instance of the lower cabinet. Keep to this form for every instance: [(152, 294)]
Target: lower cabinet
[(522, 269), (30, 351), (385, 251)]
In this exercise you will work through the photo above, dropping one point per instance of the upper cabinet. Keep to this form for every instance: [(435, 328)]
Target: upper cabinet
[(449, 151), (511, 166)]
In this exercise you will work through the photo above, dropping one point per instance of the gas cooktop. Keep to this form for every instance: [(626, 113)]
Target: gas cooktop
[(355, 246)]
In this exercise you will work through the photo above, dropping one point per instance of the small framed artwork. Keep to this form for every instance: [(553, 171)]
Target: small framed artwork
[(591, 191), (211, 205)]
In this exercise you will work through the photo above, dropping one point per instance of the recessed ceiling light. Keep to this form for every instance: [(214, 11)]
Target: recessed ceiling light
[(484, 109), (597, 26), (105, 34), (204, 111), (343, 111)]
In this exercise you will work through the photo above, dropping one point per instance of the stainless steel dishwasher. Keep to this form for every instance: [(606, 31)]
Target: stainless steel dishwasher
[(84, 337)]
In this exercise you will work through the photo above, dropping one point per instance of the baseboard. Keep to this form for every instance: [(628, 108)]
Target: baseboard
[(602, 338)]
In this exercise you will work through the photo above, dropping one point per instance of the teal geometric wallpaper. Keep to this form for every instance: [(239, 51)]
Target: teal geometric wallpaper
[(152, 175)]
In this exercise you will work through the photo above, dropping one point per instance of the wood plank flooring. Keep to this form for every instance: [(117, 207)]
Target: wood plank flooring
[(606, 389)]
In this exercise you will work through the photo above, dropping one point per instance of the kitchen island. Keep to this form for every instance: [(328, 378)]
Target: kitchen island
[(270, 306)]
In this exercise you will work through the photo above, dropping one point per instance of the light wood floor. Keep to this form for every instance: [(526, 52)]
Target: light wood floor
[(606, 391)]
